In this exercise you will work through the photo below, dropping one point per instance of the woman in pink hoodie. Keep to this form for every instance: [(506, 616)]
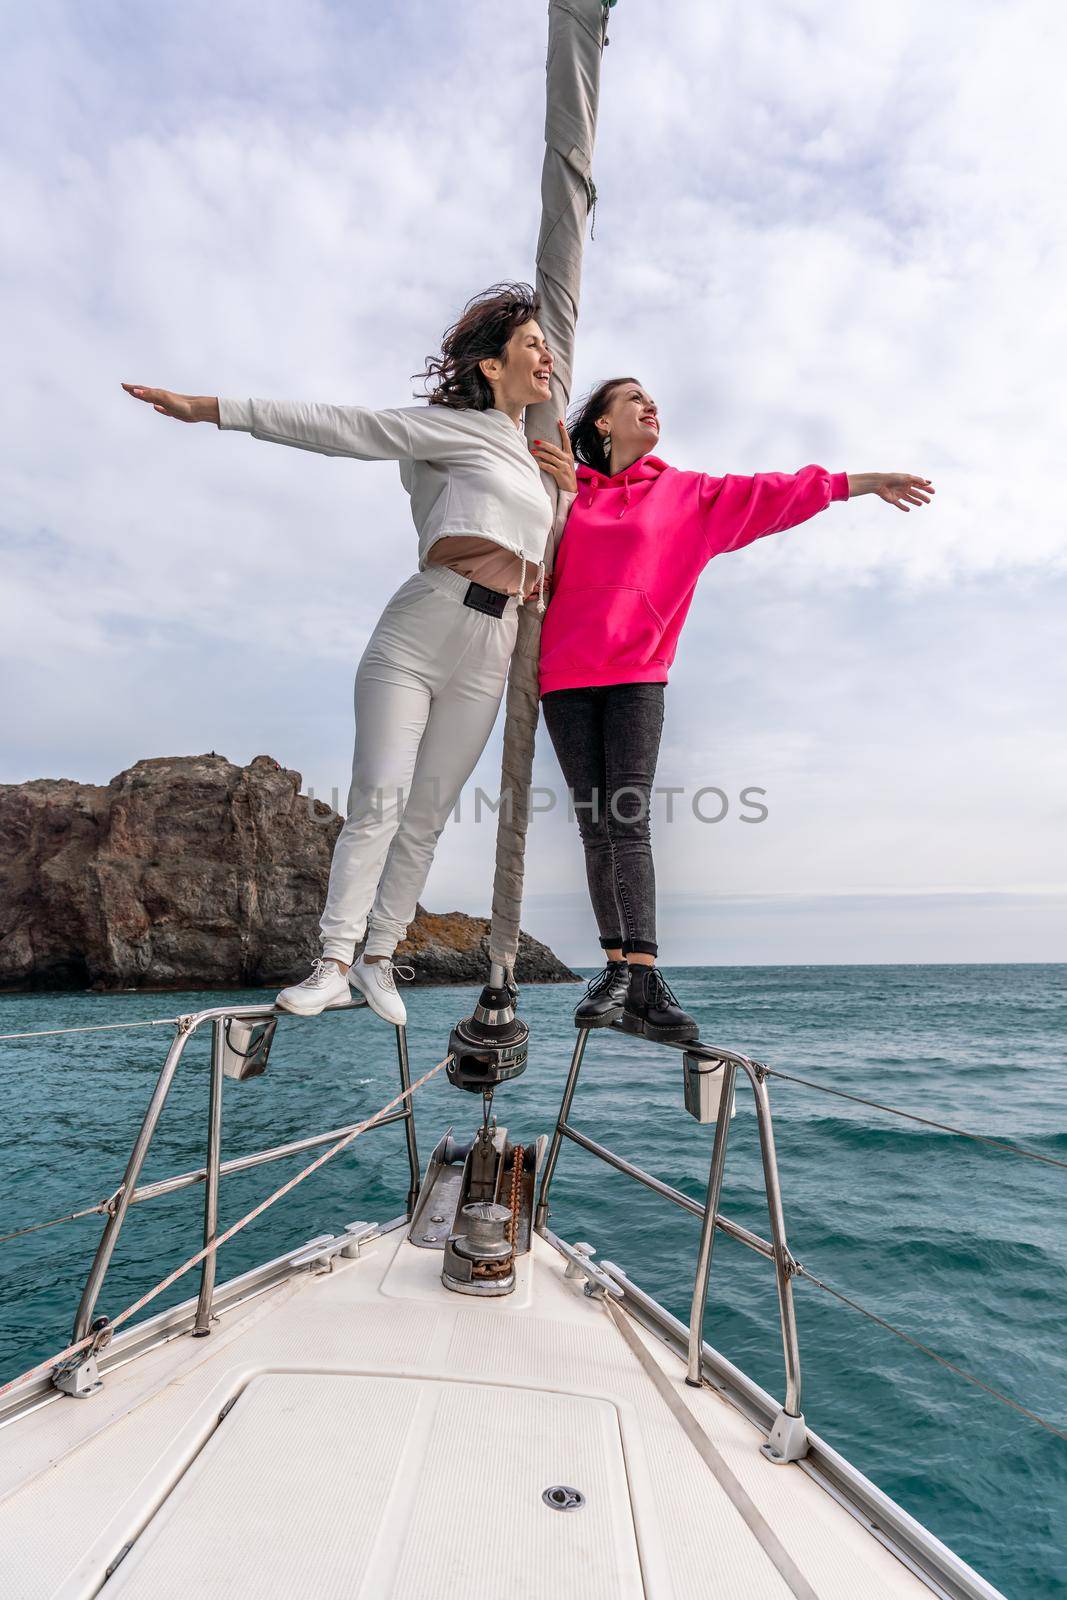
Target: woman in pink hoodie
[(638, 536)]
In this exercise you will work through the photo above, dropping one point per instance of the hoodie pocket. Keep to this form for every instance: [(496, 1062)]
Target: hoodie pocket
[(599, 628)]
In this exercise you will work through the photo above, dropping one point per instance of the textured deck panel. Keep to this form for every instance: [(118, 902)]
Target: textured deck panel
[(85, 1478), (257, 1514), (485, 1529)]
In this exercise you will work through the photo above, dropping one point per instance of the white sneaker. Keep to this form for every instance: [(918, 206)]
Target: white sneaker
[(375, 980), (324, 987)]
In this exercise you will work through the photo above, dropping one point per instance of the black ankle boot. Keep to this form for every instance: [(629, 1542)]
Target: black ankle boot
[(652, 1010), (604, 998)]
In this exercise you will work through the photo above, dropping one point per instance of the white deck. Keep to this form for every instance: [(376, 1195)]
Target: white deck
[(391, 1441)]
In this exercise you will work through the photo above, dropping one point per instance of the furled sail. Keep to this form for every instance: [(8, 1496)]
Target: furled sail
[(577, 33)]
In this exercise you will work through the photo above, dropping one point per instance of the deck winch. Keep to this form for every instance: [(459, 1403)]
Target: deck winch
[(476, 1205)]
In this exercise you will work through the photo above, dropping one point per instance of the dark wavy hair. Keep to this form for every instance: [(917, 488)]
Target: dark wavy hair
[(483, 331), (586, 442)]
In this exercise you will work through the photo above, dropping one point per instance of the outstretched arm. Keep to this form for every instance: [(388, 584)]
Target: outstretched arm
[(308, 425), (900, 489), (738, 510)]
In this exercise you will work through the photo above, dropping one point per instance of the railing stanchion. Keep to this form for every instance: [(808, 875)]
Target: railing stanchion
[(788, 1437), (202, 1322), (784, 1266), (117, 1217), (414, 1170), (708, 1226), (541, 1216)]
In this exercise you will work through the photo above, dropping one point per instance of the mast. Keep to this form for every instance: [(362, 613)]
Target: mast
[(577, 34)]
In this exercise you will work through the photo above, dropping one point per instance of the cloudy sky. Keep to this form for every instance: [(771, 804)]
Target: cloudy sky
[(827, 232)]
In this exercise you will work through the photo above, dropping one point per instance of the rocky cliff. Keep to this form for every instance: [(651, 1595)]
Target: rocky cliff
[(191, 872)]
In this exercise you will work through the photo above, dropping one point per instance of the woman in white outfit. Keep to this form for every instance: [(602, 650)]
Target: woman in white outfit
[(430, 681)]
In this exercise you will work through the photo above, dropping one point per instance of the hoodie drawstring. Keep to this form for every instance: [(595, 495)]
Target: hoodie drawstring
[(522, 584), (594, 485), (640, 473)]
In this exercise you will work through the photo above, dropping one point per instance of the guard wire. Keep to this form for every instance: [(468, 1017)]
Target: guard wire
[(71, 1216), (1006, 1399), (926, 1122), (95, 1027)]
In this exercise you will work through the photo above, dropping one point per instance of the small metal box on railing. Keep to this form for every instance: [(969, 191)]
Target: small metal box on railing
[(245, 1046), (703, 1081)]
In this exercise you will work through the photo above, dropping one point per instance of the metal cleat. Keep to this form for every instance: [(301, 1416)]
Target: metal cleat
[(580, 1248), (318, 1253), (580, 1265), (358, 1234)]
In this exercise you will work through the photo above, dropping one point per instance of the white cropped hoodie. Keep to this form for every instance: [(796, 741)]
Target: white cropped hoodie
[(467, 472)]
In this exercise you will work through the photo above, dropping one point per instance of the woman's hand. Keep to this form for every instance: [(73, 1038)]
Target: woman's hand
[(185, 407), (557, 460), (900, 489)]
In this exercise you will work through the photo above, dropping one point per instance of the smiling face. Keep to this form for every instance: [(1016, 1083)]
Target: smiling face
[(520, 377), (630, 421)]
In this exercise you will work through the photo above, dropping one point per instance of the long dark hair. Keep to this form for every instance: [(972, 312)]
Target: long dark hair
[(483, 331), (586, 442)]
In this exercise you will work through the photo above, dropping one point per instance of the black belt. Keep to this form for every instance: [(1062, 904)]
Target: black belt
[(491, 601)]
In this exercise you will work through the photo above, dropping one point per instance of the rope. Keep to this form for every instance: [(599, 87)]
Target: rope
[(802, 1272), (927, 1122), (742, 1501), (209, 1249), (95, 1027)]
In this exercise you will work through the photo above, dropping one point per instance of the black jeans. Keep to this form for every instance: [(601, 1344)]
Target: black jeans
[(607, 743)]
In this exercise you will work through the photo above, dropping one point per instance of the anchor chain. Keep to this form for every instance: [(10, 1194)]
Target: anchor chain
[(516, 1198), (500, 1269)]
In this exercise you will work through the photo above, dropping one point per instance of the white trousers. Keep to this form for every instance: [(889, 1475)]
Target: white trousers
[(428, 688)]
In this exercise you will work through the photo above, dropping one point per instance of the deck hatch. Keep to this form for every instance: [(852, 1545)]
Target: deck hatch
[(358, 1485)]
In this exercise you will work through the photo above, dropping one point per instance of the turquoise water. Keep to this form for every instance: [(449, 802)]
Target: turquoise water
[(960, 1245)]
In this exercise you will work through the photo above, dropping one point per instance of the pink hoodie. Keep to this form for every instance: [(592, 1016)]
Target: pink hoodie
[(632, 551)]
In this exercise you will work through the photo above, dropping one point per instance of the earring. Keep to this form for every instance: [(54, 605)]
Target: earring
[(607, 445)]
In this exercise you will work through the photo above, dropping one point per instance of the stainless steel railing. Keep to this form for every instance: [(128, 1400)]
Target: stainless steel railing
[(215, 1169), (787, 1438)]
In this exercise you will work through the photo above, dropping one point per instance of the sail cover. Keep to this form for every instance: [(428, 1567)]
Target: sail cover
[(577, 33)]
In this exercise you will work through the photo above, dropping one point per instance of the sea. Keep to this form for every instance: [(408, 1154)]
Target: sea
[(959, 1245)]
